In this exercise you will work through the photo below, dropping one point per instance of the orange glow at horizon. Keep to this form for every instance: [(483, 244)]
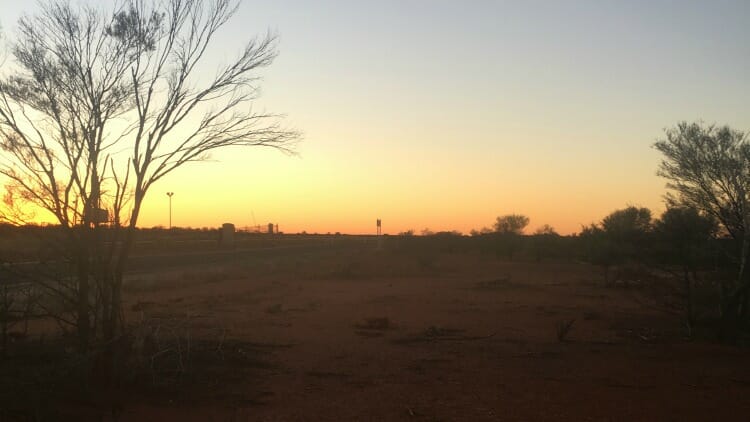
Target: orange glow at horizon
[(346, 191), (448, 116)]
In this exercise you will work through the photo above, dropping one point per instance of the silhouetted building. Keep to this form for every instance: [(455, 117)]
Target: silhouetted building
[(227, 235), (97, 215)]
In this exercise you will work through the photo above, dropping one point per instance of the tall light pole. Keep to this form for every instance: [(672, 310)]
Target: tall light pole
[(169, 194)]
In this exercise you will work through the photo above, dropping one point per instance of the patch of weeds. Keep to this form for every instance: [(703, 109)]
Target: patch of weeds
[(426, 262), (545, 311), (373, 327), (146, 285), (275, 309), (563, 329), (350, 270), (498, 283), (591, 316), (141, 306), (387, 299), (436, 332), (433, 333), (421, 366), (369, 334), (327, 374), (544, 354), (214, 276), (278, 308), (379, 324)]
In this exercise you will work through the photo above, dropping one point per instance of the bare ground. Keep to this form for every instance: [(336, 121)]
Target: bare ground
[(375, 336)]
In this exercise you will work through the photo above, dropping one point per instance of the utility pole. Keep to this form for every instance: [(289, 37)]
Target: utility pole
[(169, 194)]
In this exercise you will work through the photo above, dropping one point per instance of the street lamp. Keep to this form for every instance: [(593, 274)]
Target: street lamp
[(169, 194)]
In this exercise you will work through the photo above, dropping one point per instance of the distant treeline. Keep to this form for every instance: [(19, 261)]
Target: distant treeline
[(628, 245), (683, 247)]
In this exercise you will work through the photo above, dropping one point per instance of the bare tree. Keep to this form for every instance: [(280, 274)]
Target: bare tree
[(99, 105), (708, 169)]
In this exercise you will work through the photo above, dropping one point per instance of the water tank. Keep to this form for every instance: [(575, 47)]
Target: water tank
[(227, 235)]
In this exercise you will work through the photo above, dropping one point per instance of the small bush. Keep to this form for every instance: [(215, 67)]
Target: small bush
[(563, 329)]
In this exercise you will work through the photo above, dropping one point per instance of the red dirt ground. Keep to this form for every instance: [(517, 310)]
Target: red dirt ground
[(372, 337)]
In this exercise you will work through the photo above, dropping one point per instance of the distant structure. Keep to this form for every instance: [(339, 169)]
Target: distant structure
[(270, 228), (226, 237), (169, 194), (380, 234), (97, 215)]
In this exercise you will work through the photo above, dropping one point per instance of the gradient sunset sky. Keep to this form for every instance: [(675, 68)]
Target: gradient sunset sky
[(446, 114)]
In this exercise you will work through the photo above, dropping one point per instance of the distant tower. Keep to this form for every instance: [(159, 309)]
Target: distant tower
[(226, 235), (270, 228), (169, 194), (380, 234)]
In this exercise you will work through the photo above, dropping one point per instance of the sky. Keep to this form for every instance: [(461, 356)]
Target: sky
[(445, 115)]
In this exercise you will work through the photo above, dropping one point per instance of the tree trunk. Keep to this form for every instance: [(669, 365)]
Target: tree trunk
[(732, 308), (117, 269), (744, 302), (83, 323), (688, 300), (108, 326), (4, 334)]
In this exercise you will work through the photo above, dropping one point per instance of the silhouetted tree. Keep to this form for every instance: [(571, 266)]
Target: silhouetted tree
[(99, 106), (509, 229), (480, 232), (511, 224), (545, 229), (545, 238), (598, 248), (627, 229), (620, 237), (686, 235), (708, 168)]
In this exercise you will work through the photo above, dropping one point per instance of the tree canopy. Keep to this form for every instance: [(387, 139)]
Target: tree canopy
[(511, 224), (707, 168), (627, 224)]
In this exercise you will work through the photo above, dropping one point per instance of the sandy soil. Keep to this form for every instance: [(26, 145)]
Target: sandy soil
[(368, 337)]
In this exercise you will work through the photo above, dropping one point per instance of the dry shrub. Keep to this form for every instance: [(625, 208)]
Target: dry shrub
[(379, 324), (563, 329)]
